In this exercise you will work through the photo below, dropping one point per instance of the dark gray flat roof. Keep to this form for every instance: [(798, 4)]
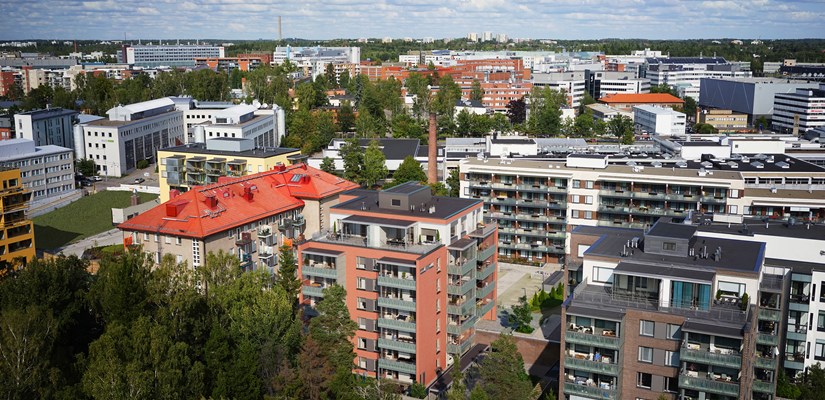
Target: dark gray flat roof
[(363, 219), (445, 207), (602, 313), (407, 188), (513, 141), (677, 231), (653, 270), (798, 267), (461, 244), (324, 252), (200, 148), (772, 228), (712, 328)]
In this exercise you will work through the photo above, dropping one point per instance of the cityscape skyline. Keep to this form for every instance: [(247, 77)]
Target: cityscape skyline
[(250, 20)]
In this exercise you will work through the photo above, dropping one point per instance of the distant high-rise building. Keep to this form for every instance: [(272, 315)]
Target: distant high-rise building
[(501, 38), (472, 36), (171, 55), (488, 36)]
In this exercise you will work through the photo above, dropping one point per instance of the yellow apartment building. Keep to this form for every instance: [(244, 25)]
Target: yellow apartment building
[(17, 236)]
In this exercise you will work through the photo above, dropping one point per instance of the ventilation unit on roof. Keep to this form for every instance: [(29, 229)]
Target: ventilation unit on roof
[(706, 164), (783, 164), (656, 164), (757, 164), (681, 164)]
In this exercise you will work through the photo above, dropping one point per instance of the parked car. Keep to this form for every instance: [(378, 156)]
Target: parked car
[(96, 178), (138, 181)]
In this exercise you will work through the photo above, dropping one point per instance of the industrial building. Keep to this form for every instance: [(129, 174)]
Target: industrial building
[(663, 121), (685, 74)]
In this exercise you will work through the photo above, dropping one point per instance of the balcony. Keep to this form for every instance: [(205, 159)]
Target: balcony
[(764, 363), (299, 221), (594, 392), (459, 348), (483, 255), (709, 385), (624, 194), (395, 365), (607, 342), (462, 268), (319, 271), (461, 309), (462, 288), (770, 315), (315, 291), (398, 283), (485, 308), (769, 340), (397, 345), (596, 367), (397, 304), (485, 271), (712, 358), (456, 329), (396, 324), (483, 292)]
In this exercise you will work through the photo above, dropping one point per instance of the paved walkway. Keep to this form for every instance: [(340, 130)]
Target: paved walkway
[(109, 237)]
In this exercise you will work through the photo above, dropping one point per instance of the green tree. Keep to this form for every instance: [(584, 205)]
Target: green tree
[(663, 88), (287, 278), (328, 165), (317, 372), (409, 170), (476, 93), (502, 374), (368, 126), (786, 389), (814, 384), (584, 124), (761, 123), (454, 183), (353, 157), (346, 117), (86, 166), (545, 111), (521, 316), (375, 165), (690, 107), (26, 339), (705, 129), (418, 86), (404, 126), (333, 330), (119, 294), (448, 93), (517, 111), (587, 99), (235, 79), (458, 390)]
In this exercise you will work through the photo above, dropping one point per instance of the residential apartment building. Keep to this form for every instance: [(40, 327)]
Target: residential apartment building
[(572, 83), (167, 55), (685, 73), (242, 62), (47, 172), (536, 201), (800, 111), (132, 133), (199, 164), (662, 121), (17, 239), (628, 101), (51, 126), (668, 311), (312, 61), (602, 83), (724, 121), (419, 271), (248, 217)]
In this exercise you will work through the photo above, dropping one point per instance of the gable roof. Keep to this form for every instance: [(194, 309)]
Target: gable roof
[(207, 210), (648, 98)]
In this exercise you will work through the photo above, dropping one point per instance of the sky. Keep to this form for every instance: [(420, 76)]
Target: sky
[(328, 19)]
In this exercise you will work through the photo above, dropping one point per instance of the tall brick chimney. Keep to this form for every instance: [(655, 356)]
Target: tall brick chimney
[(432, 143)]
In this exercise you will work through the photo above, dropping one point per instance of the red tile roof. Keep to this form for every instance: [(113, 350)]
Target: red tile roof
[(643, 98), (233, 202)]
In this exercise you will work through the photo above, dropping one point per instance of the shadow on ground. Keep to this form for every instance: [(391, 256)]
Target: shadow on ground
[(49, 238)]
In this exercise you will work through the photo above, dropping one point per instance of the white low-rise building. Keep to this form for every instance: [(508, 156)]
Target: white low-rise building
[(662, 121), (804, 109), (241, 122)]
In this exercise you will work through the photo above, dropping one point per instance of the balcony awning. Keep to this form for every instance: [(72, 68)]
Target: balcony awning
[(388, 222), (396, 261), (713, 328), (321, 252), (237, 162), (462, 244), (600, 313), (657, 271)]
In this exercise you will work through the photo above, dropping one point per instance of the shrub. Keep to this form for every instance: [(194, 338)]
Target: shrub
[(142, 164)]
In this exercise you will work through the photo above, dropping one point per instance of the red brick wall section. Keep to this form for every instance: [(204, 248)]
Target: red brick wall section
[(534, 351)]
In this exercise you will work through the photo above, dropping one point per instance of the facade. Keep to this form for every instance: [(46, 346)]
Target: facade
[(573, 83), (604, 112), (200, 164), (17, 241), (168, 55), (132, 133), (628, 101), (535, 203), (52, 126), (800, 111), (662, 121), (47, 172), (419, 272), (724, 121), (687, 72), (6, 82), (248, 217), (668, 310), (312, 61), (751, 96), (242, 121), (243, 62), (602, 83)]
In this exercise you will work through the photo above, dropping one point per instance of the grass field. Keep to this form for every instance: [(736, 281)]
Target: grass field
[(86, 217)]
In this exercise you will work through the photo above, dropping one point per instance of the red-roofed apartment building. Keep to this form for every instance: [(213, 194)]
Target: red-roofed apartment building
[(626, 101), (419, 271), (249, 216)]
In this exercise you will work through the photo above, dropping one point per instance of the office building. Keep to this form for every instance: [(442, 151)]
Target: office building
[(312, 61), (17, 240), (47, 172), (51, 126), (724, 121), (132, 133), (751, 96), (200, 164), (573, 84), (602, 83), (167, 55), (686, 73), (419, 272), (800, 111), (248, 217), (662, 121), (605, 113), (628, 101)]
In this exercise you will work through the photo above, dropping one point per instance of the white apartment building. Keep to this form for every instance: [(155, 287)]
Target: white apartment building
[(685, 73), (132, 133), (51, 126), (313, 60), (602, 83), (239, 122), (572, 83), (171, 55), (47, 171), (663, 121), (804, 109)]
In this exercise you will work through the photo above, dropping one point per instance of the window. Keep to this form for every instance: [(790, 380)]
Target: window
[(643, 380), (820, 321), (157, 238), (588, 214), (588, 199), (671, 384), (819, 350), (361, 284), (577, 184), (177, 240), (588, 184), (601, 274), (361, 304), (669, 246), (646, 328), (646, 354), (672, 358), (576, 198), (362, 324), (362, 343), (674, 332), (396, 202)]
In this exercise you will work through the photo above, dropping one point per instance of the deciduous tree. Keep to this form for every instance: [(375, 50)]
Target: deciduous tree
[(375, 165)]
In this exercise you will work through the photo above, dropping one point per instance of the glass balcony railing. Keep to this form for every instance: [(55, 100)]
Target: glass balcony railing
[(396, 324), (770, 315), (464, 309), (398, 283), (459, 329), (763, 387), (462, 269), (312, 291), (486, 253), (608, 342), (397, 345), (322, 272), (593, 392), (486, 290), (461, 289), (769, 340), (764, 363), (486, 271), (712, 358), (396, 365), (398, 304), (596, 367), (459, 348), (485, 308), (709, 385)]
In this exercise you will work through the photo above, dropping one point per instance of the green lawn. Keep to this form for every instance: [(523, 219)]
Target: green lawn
[(86, 217)]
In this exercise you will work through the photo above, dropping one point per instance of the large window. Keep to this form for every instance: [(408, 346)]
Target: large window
[(819, 350), (690, 295), (601, 274), (643, 380), (645, 354), (672, 358), (820, 321), (646, 328)]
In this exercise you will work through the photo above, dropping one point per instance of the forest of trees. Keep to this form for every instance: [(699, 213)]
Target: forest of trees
[(132, 331)]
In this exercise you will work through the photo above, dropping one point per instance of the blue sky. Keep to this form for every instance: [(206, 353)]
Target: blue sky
[(325, 19)]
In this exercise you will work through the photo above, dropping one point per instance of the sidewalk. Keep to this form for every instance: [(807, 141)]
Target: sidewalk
[(113, 236)]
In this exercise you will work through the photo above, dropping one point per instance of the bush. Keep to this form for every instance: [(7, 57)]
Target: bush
[(418, 390), (142, 164)]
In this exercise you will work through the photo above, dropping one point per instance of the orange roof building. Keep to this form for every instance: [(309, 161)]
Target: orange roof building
[(249, 216), (626, 101)]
